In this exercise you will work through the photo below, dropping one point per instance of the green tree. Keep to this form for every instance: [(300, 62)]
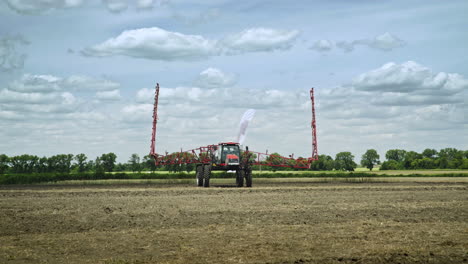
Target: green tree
[(464, 165), (91, 165), (391, 165), (324, 162), (4, 160), (60, 163), (81, 162), (329, 164), (121, 167), (134, 162), (450, 153), (148, 163), (24, 163), (99, 169), (370, 158), (410, 156), (429, 153), (42, 165), (345, 161), (450, 158), (424, 163), (397, 155), (108, 161)]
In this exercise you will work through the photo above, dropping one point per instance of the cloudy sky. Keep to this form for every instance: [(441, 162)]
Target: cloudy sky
[(78, 76)]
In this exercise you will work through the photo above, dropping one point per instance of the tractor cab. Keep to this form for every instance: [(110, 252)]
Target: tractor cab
[(227, 154)]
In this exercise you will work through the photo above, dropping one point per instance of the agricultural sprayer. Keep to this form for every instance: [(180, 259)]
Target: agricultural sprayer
[(228, 156)]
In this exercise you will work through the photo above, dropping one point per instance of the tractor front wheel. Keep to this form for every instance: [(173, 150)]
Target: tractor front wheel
[(240, 178), (199, 175), (206, 175), (248, 178)]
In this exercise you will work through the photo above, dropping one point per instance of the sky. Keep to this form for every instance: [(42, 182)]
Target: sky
[(78, 76)]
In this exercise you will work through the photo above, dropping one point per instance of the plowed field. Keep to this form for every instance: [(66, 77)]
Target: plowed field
[(276, 222)]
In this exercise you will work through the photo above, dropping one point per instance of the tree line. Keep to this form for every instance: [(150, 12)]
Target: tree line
[(396, 159), (69, 163)]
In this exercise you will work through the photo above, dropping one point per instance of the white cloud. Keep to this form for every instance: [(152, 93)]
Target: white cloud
[(7, 96), (68, 98), (40, 6), (137, 113), (259, 39), (144, 95), (83, 82), (410, 77), (158, 44), (154, 43), (145, 4), (116, 6), (384, 42), (10, 58), (36, 84), (34, 103), (405, 92), (29, 83), (109, 95), (203, 112), (215, 78), (199, 98), (173, 95), (33, 94), (322, 45)]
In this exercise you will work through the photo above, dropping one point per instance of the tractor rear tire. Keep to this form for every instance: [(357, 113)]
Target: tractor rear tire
[(206, 175), (199, 175), (248, 178), (240, 178)]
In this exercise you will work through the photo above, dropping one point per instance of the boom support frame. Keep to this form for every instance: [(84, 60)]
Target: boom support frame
[(201, 155)]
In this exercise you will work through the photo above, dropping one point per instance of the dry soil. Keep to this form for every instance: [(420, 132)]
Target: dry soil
[(276, 222)]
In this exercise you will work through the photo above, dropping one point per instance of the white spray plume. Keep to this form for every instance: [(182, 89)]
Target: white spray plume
[(246, 118)]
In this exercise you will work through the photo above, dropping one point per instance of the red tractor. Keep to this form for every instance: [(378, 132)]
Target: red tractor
[(225, 157)]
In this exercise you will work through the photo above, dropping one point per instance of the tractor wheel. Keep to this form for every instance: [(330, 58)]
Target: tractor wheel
[(240, 178), (199, 175), (248, 178), (206, 175)]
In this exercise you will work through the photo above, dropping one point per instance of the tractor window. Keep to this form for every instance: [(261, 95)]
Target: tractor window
[(229, 150)]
